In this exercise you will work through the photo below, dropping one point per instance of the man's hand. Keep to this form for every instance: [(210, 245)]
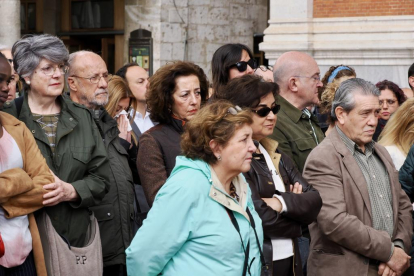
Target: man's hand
[(60, 191), (385, 270), (399, 261), (296, 189), (273, 203)]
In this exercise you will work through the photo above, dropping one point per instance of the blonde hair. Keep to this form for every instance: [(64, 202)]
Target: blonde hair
[(118, 89), (399, 130)]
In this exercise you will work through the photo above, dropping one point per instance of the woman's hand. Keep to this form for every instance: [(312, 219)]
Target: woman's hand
[(60, 191), (296, 189), (123, 128), (273, 203)]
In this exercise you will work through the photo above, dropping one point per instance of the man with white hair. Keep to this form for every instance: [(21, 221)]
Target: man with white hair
[(88, 81)]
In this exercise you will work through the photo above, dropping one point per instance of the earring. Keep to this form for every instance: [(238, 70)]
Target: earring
[(219, 158), (28, 82)]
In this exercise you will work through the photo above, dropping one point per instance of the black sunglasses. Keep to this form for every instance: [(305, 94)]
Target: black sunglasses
[(242, 65), (263, 112)]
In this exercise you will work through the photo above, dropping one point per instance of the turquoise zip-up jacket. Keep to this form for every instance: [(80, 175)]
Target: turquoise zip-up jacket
[(188, 230)]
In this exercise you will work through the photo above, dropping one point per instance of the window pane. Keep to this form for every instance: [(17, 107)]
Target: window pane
[(92, 14), (22, 17), (31, 16)]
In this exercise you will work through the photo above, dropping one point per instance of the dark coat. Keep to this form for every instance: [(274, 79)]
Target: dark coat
[(157, 149), (116, 212), (80, 159), (301, 209)]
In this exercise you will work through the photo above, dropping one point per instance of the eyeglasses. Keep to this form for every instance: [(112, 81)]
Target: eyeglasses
[(242, 65), (263, 112), (50, 70), (96, 79), (264, 68), (389, 102), (10, 60), (315, 78)]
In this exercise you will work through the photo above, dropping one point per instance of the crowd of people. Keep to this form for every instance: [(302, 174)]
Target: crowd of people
[(264, 170)]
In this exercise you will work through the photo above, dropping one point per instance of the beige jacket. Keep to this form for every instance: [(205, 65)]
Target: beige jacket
[(21, 190), (343, 240)]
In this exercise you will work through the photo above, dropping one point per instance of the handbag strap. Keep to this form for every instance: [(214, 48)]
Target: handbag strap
[(246, 266)]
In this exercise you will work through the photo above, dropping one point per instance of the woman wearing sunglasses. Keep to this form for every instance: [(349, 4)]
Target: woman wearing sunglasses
[(282, 198), (231, 61)]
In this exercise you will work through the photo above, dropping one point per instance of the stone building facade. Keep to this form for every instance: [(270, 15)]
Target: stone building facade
[(376, 37)]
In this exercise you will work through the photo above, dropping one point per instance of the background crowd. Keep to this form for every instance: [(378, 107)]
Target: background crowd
[(264, 170)]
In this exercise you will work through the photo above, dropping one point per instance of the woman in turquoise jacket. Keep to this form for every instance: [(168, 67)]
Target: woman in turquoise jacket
[(203, 220)]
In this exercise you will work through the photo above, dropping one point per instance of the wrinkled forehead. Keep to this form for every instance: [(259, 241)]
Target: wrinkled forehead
[(90, 65)]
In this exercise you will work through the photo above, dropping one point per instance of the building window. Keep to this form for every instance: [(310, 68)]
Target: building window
[(95, 14), (28, 16)]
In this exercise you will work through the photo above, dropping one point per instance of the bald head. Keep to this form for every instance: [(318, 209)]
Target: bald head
[(298, 77), (88, 79)]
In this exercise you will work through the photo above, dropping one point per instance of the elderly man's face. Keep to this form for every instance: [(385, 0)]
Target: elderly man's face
[(309, 82), (359, 124), (90, 67)]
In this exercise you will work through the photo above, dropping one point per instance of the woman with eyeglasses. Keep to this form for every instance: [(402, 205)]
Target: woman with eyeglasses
[(390, 100), (231, 61), (65, 133), (282, 197), (203, 220), (266, 72), (175, 94)]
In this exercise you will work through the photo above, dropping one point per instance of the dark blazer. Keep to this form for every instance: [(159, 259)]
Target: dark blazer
[(301, 209), (343, 239)]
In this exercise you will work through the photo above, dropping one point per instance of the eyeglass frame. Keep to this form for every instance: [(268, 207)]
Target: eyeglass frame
[(276, 106), (110, 76), (248, 63), (264, 68), (381, 102), (55, 67), (314, 78)]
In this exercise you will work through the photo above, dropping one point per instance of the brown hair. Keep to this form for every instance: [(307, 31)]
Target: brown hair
[(162, 86), (394, 88), (399, 130), (213, 121)]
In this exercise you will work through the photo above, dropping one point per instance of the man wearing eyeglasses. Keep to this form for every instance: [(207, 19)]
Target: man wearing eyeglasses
[(88, 81), (297, 130)]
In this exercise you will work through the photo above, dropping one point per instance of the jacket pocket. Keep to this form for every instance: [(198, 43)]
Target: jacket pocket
[(328, 252), (305, 144), (105, 216), (82, 154)]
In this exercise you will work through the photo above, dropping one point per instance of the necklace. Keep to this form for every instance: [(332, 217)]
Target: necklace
[(233, 192)]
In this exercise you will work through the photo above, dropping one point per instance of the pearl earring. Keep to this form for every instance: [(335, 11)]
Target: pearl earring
[(219, 158), (28, 82)]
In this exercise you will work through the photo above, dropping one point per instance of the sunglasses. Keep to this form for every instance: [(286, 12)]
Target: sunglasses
[(242, 65), (263, 112)]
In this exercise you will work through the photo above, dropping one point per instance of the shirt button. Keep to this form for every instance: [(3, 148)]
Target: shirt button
[(109, 214), (70, 119), (33, 131), (310, 131), (303, 116)]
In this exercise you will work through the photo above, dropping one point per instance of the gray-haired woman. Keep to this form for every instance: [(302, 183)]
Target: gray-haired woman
[(65, 134)]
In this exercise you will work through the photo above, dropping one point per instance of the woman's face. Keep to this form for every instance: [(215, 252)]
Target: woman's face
[(236, 156), (123, 104), (263, 126), (48, 79), (388, 103), (186, 97), (235, 73)]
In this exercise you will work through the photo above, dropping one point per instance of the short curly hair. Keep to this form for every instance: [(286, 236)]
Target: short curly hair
[(162, 86), (399, 94), (213, 121), (342, 73)]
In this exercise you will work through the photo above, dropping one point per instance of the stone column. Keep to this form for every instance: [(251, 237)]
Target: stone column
[(9, 21)]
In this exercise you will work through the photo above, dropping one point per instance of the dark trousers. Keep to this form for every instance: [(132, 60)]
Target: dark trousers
[(25, 269), (303, 243), (283, 267), (114, 270)]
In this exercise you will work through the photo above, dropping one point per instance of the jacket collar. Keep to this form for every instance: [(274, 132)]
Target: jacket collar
[(8, 120), (292, 112), (270, 146), (177, 124)]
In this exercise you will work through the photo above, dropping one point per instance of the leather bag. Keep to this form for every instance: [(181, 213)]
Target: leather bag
[(65, 260)]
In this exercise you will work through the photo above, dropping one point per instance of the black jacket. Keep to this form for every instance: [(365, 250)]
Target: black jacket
[(301, 209), (116, 212)]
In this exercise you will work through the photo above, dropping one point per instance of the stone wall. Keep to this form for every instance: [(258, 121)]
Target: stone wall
[(204, 24), (351, 8), (9, 21)]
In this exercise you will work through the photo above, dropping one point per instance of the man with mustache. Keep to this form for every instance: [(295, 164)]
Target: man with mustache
[(364, 227), (88, 81)]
